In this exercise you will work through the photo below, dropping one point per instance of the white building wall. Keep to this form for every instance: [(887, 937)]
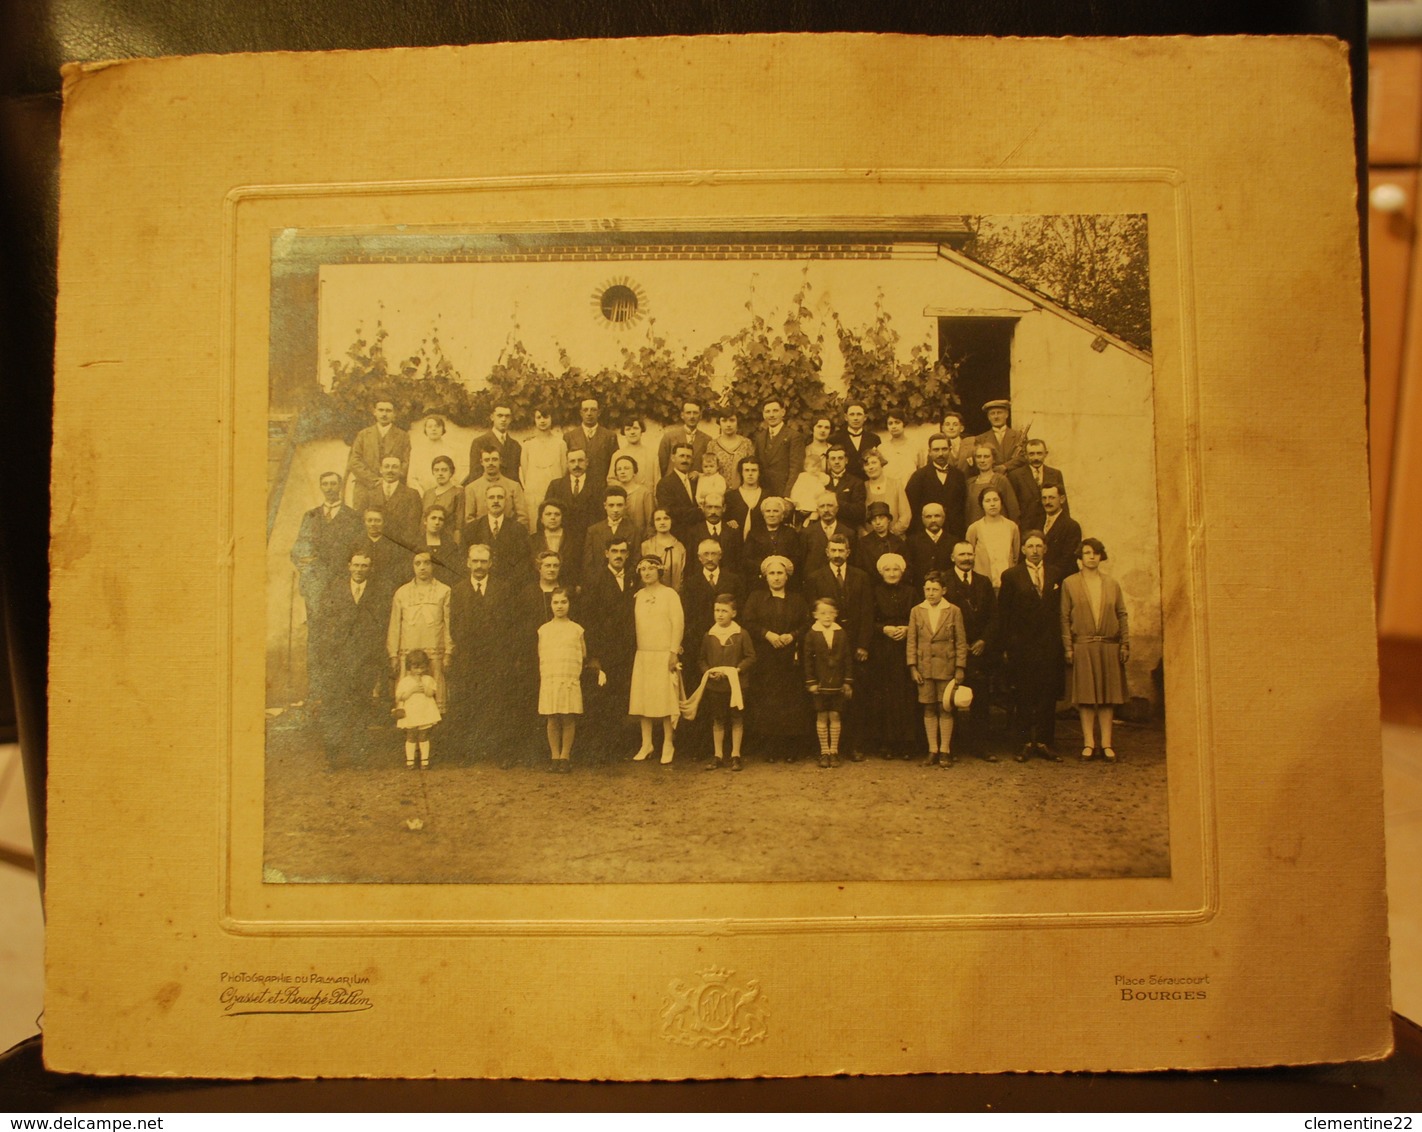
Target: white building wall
[(1094, 409)]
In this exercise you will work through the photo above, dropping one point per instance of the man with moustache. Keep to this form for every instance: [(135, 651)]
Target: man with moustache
[(580, 494), (930, 547), (714, 525), (845, 486), (856, 439), (615, 525), (972, 593), (850, 589), (676, 494), (349, 654), (480, 660), (400, 504), (1061, 531), (941, 482), (1027, 483), (504, 536)]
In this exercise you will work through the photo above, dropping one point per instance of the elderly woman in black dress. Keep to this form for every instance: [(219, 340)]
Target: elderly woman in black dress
[(778, 706), (891, 702)]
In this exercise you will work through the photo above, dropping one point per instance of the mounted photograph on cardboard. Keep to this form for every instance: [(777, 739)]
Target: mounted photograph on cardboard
[(560, 519)]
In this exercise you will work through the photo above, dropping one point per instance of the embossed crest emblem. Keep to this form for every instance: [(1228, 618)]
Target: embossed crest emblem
[(717, 1010)]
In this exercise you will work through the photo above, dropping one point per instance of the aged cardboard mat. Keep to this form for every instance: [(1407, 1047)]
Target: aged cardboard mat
[(225, 223)]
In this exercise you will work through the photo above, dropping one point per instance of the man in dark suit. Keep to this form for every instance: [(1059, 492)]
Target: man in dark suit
[(609, 626), (700, 587), (505, 537), (689, 433), (973, 595), (848, 489), (931, 547), (1062, 532), (850, 589), (939, 482), (714, 526), (389, 560), (350, 654), (322, 545), (369, 449), (497, 439), (818, 532), (1006, 442), (779, 449), (589, 436), (399, 503), (772, 535), (1027, 483), (676, 494), (480, 659), (615, 525), (1030, 629), (856, 439), (580, 495)]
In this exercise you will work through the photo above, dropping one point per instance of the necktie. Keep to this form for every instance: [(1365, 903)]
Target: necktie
[(577, 486), (839, 575), (494, 525), (967, 578), (1037, 580), (1037, 475)]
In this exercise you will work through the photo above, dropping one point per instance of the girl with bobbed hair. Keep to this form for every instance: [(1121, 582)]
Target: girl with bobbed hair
[(1096, 637)]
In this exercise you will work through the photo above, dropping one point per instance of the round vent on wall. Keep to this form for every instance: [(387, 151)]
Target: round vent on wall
[(619, 303)]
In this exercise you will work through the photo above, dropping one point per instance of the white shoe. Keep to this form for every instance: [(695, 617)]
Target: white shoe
[(667, 752), (641, 755)]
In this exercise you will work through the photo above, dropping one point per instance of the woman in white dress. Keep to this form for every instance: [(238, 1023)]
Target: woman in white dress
[(544, 459), (656, 669), (995, 540)]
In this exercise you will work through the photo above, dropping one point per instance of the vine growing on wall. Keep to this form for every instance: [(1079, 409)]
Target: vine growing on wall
[(921, 386), (786, 364), (783, 358)]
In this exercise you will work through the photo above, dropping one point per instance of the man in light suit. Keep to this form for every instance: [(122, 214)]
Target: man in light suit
[(1006, 443), (369, 450), (1027, 483), (779, 449)]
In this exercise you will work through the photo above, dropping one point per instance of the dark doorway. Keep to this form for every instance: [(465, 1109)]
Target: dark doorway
[(980, 349)]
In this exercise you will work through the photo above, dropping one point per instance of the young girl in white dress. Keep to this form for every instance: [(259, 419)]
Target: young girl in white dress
[(415, 709), (711, 481), (562, 654), (809, 483)]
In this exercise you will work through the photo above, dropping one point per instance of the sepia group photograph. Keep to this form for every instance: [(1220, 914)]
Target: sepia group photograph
[(728, 551)]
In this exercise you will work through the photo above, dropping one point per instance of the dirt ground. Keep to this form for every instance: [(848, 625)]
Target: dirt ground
[(643, 822)]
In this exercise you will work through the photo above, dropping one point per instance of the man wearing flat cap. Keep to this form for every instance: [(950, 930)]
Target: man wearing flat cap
[(1007, 444)]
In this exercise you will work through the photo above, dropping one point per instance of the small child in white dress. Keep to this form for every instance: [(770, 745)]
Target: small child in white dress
[(562, 654), (416, 712), (712, 482)]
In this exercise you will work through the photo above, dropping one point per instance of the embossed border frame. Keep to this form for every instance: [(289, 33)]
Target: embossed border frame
[(668, 200)]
